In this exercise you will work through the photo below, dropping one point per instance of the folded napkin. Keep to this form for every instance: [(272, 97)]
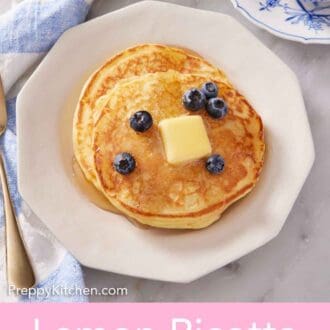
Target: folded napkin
[(27, 32)]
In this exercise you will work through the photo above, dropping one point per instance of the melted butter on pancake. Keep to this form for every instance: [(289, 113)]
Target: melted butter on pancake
[(184, 138)]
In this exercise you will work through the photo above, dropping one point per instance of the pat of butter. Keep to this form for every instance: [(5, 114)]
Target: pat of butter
[(184, 138)]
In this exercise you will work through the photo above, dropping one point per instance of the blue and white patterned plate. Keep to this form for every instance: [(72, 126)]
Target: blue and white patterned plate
[(306, 21)]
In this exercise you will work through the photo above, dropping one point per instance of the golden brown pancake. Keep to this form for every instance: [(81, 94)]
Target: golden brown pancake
[(135, 61), (186, 195)]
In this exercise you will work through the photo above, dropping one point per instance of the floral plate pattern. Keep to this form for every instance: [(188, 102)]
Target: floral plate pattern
[(305, 21)]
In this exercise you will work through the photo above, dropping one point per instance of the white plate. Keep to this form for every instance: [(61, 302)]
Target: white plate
[(304, 21), (106, 241)]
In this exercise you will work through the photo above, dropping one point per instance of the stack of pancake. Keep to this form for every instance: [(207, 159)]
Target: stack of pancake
[(154, 78)]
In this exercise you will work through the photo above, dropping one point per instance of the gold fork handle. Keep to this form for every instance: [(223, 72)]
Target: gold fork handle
[(19, 270)]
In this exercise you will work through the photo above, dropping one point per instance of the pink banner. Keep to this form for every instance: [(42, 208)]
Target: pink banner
[(165, 316)]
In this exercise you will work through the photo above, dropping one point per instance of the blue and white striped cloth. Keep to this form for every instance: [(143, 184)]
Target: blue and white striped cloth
[(27, 32)]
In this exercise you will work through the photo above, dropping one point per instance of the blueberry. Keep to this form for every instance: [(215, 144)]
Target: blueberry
[(216, 107), (215, 164), (193, 99), (210, 89), (124, 163), (141, 121)]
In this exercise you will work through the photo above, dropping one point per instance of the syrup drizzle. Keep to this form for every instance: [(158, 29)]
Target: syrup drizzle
[(70, 164)]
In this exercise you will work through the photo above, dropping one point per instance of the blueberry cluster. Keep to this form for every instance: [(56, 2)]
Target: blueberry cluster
[(195, 99)]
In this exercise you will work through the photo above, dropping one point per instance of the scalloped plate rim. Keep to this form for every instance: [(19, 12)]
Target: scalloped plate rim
[(281, 34)]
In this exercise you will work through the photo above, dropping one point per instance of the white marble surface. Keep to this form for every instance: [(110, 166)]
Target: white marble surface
[(296, 265)]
